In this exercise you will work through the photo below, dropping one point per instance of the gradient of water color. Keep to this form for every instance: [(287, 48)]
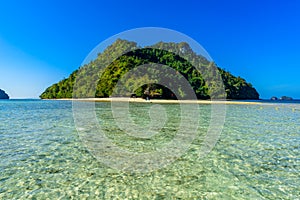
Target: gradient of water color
[(256, 157)]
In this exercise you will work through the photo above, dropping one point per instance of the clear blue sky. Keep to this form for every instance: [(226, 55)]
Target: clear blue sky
[(42, 42)]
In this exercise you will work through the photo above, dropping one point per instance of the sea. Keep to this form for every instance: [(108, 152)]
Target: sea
[(256, 154)]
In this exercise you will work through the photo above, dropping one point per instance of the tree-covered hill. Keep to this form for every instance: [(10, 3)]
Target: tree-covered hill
[(99, 78)]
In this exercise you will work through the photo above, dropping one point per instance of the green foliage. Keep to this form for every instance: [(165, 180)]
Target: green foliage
[(203, 80), (62, 89)]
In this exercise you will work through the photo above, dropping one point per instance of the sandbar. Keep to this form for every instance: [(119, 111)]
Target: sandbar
[(170, 101)]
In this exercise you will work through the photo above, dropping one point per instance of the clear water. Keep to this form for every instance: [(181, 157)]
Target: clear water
[(256, 157)]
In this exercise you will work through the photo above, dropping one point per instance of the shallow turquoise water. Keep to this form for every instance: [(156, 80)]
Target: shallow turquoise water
[(257, 155)]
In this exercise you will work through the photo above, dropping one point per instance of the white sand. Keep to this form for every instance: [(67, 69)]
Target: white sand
[(140, 100)]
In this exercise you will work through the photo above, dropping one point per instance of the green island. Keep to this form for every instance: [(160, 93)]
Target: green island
[(3, 95), (99, 77)]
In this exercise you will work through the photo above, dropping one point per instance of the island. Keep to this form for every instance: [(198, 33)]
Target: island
[(235, 87), (274, 98), (286, 98), (3, 95)]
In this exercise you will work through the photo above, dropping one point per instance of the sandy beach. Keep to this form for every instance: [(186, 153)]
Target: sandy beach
[(140, 100)]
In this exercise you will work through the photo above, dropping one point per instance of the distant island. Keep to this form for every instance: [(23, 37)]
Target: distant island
[(284, 98), (235, 87), (3, 95)]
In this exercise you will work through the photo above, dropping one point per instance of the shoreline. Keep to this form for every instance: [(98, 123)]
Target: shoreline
[(164, 101)]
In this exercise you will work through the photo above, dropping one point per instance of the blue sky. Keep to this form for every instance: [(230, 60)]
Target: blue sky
[(42, 42)]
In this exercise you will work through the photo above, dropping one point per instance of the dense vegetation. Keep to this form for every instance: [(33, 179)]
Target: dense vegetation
[(100, 77), (3, 95)]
